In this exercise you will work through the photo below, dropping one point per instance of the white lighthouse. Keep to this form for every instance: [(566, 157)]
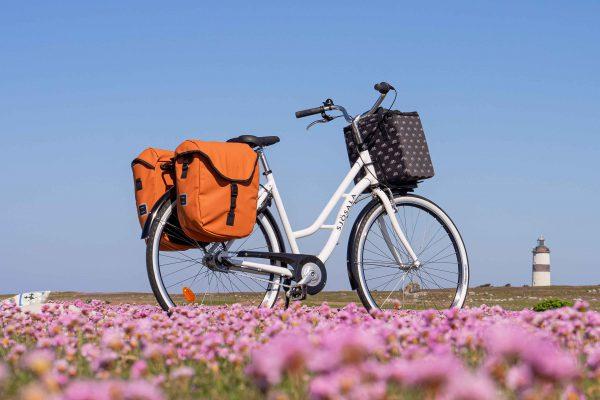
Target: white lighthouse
[(541, 264)]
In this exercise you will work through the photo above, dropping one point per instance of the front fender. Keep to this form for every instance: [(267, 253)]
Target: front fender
[(170, 193)]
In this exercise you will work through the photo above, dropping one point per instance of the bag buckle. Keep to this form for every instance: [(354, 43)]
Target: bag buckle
[(167, 167)]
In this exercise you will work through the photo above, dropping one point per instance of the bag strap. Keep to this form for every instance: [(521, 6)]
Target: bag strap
[(189, 154), (232, 204), (184, 168)]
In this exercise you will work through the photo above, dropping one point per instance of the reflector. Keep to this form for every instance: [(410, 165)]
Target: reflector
[(188, 294)]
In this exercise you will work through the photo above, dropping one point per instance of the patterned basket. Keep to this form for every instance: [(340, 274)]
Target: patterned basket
[(397, 145)]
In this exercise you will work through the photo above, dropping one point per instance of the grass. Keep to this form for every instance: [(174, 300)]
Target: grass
[(510, 298)]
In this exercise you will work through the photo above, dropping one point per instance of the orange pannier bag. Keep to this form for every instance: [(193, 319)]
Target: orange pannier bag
[(217, 189), (152, 177)]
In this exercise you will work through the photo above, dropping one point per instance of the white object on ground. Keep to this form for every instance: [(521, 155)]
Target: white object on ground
[(30, 298), (30, 301)]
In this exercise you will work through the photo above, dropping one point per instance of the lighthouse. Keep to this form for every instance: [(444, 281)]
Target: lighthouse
[(541, 264)]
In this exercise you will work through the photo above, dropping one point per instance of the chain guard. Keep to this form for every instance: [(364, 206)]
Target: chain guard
[(298, 263)]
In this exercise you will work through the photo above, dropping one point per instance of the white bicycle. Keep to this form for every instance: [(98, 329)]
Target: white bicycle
[(404, 251)]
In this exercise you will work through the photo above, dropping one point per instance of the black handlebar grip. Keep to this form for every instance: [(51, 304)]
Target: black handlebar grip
[(310, 111), (383, 87)]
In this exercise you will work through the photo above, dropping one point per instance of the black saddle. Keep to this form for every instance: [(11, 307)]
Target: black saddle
[(255, 141)]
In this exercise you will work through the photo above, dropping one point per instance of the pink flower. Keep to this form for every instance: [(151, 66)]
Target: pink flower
[(113, 339), (4, 373), (337, 384), (108, 390), (322, 387), (551, 363), (368, 390), (141, 390), (284, 353), (397, 371), (593, 361), (19, 348), (581, 305), (545, 359), (434, 371), (337, 353), (470, 386), (343, 346), (572, 393), (104, 360), (519, 378), (61, 366), (182, 373), (152, 351), (39, 361), (139, 369), (506, 340), (90, 351)]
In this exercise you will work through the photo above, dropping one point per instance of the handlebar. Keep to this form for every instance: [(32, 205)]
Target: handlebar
[(314, 111), (310, 111), (382, 87)]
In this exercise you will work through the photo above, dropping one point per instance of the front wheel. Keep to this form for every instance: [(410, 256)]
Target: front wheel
[(384, 274)]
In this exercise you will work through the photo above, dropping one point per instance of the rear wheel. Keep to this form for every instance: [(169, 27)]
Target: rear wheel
[(182, 276), (384, 273)]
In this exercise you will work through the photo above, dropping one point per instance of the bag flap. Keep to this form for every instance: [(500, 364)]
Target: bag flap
[(234, 162), (152, 156)]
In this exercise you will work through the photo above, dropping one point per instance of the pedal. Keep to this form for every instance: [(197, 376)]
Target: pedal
[(297, 293)]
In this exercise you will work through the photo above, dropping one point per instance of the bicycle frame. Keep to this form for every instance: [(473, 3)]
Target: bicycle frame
[(370, 180)]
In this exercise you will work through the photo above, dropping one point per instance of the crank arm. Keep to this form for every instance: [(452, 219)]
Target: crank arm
[(254, 267)]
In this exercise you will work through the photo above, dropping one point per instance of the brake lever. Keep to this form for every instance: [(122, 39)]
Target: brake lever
[(319, 121), (326, 119)]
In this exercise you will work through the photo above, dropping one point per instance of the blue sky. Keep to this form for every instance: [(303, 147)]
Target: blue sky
[(509, 94)]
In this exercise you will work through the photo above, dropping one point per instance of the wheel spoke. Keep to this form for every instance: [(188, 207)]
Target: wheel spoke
[(399, 283), (440, 270), (179, 270), (380, 251), (431, 274)]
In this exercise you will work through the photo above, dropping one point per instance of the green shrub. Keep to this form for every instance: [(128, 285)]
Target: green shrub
[(550, 304)]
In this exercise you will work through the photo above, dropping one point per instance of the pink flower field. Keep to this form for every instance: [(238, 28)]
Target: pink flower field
[(85, 351)]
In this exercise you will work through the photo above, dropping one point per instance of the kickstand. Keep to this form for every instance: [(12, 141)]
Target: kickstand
[(287, 282)]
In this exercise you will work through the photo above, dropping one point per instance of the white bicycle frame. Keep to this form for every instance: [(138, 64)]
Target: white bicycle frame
[(269, 189)]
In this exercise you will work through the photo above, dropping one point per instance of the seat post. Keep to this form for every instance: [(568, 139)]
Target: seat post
[(263, 161)]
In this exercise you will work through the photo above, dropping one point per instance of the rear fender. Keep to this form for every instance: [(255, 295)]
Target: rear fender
[(159, 203)]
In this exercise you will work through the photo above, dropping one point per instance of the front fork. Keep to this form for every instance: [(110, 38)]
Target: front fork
[(391, 210)]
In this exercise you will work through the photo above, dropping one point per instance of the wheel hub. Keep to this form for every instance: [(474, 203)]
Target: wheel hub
[(412, 267), (214, 263)]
